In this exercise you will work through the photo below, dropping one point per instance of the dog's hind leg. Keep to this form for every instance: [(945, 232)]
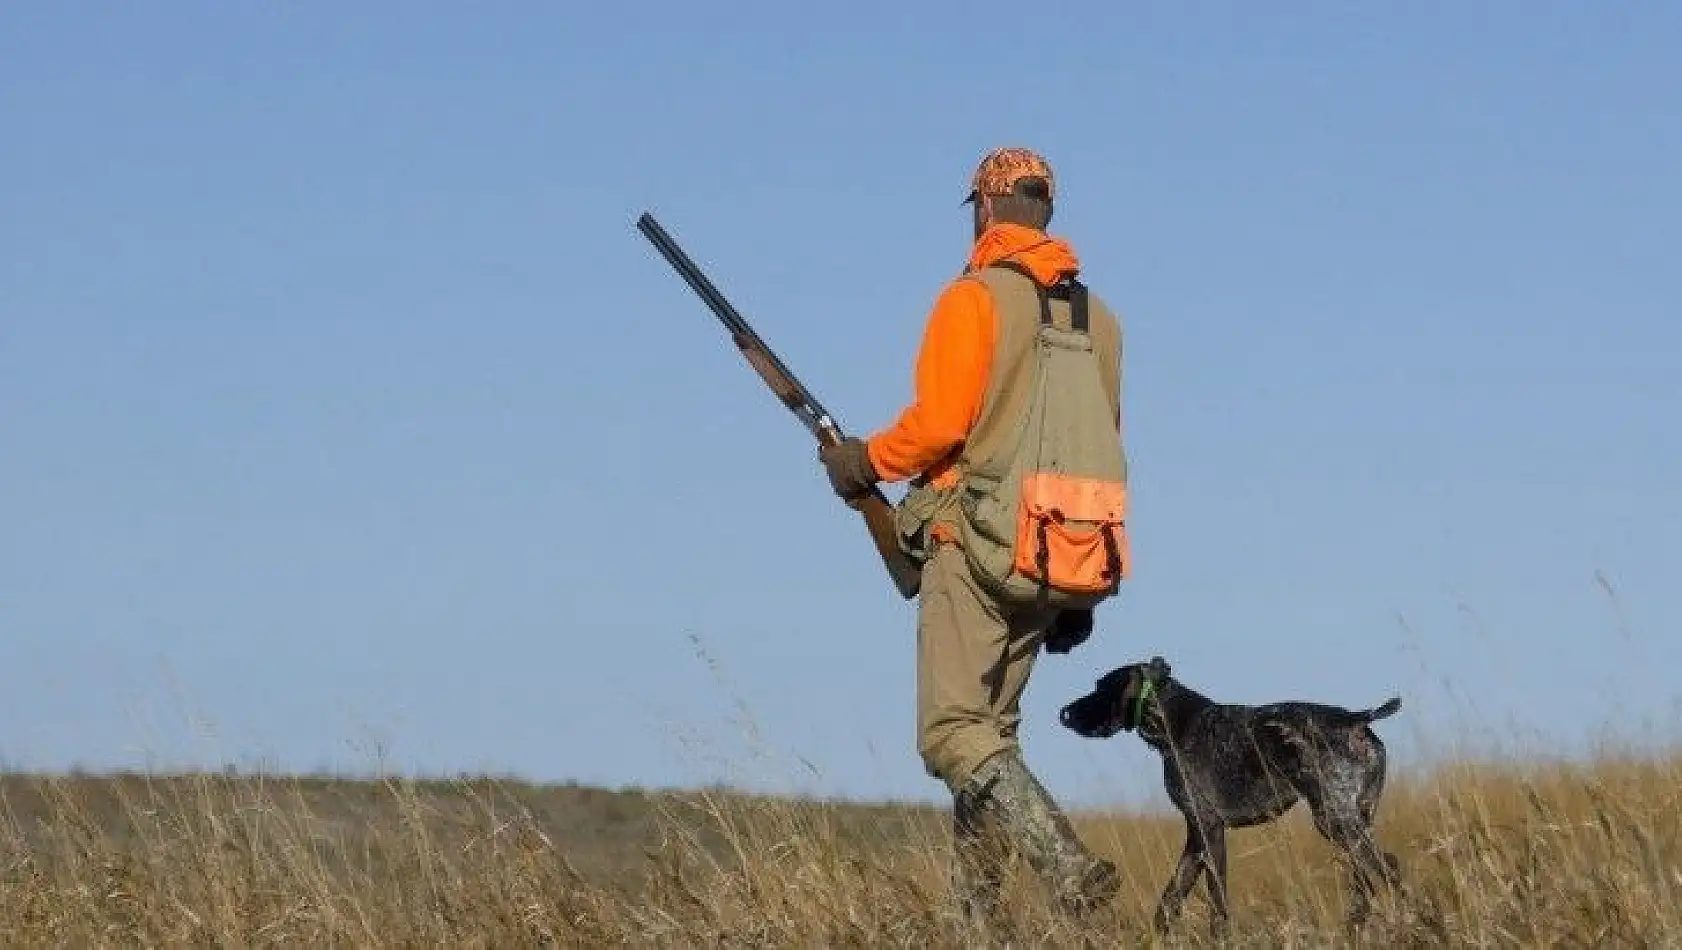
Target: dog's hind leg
[(1386, 863), (1341, 822)]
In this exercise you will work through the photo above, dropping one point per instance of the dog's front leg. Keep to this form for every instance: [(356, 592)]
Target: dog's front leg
[(1192, 858), (1214, 860)]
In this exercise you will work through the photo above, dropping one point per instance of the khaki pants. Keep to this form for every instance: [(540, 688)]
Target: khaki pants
[(973, 661)]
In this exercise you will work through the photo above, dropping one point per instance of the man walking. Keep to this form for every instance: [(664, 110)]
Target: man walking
[(986, 407)]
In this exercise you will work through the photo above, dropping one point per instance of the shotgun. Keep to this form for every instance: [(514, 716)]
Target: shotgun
[(878, 514)]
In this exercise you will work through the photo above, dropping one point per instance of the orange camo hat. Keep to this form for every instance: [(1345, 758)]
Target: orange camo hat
[(1002, 168)]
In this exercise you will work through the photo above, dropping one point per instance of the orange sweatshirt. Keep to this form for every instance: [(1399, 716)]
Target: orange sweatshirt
[(955, 358)]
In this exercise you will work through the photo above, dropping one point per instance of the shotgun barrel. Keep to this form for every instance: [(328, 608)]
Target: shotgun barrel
[(878, 513)]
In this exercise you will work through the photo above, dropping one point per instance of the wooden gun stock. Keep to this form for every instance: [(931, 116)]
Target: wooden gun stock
[(877, 512)]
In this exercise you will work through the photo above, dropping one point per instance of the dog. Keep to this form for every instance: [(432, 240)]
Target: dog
[(1232, 766)]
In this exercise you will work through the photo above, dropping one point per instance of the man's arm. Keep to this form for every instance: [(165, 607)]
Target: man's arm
[(950, 381)]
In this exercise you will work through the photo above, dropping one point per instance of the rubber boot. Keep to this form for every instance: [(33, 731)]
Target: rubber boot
[(1009, 795), (977, 866)]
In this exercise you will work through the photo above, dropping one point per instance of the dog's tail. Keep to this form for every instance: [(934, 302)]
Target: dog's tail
[(1389, 708)]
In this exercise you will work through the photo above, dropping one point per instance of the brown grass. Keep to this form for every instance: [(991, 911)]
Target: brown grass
[(1550, 856)]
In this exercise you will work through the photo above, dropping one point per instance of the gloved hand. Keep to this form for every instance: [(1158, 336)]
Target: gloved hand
[(1069, 630), (849, 468)]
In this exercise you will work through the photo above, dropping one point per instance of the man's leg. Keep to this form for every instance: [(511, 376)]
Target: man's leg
[(972, 667), (973, 663), (959, 640)]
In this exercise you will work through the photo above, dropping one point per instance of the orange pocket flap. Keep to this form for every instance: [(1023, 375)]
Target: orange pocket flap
[(1048, 494)]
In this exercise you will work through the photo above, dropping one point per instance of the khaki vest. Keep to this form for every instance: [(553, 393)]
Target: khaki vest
[(928, 513)]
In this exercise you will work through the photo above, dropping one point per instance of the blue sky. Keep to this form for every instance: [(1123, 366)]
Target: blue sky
[(346, 419)]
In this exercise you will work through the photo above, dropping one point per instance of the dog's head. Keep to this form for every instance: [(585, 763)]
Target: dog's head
[(1125, 698)]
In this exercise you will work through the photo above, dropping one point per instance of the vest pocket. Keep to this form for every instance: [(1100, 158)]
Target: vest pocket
[(1071, 533), (915, 518)]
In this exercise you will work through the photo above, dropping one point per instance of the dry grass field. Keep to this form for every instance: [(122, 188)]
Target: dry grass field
[(1558, 856)]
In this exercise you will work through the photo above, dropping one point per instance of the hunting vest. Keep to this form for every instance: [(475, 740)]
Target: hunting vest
[(1040, 500)]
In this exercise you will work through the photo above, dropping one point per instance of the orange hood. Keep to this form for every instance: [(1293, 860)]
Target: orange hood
[(1045, 257)]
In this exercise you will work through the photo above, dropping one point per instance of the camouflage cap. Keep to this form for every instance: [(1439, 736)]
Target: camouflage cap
[(1002, 168)]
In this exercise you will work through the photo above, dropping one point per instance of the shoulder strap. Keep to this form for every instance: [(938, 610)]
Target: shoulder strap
[(1067, 288)]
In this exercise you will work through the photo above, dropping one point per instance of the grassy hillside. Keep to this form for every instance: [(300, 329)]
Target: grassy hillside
[(1555, 856)]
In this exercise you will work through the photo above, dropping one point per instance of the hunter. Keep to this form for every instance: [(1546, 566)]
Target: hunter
[(976, 388)]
